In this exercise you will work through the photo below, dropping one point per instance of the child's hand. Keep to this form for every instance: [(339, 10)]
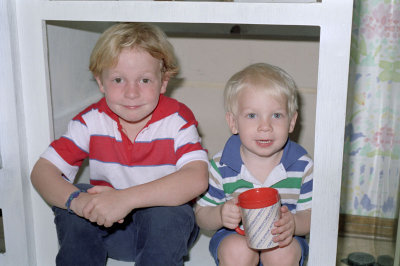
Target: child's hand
[(106, 206), (284, 228), (99, 189), (230, 214), (79, 203)]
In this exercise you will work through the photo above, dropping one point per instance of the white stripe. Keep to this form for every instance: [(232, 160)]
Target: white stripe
[(211, 182), (101, 124), (289, 191), (203, 202), (163, 129), (68, 170), (308, 178), (298, 174), (305, 196), (187, 135), (124, 176), (198, 155), (289, 201), (78, 133)]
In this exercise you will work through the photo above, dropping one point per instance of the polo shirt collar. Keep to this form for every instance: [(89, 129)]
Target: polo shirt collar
[(231, 154)]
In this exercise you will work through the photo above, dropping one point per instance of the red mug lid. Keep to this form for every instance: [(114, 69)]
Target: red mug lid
[(257, 198)]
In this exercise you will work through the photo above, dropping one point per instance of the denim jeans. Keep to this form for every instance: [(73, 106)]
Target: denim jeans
[(149, 236)]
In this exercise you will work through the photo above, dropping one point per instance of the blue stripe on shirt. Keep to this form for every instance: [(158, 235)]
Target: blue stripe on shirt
[(299, 166), (215, 192), (307, 187)]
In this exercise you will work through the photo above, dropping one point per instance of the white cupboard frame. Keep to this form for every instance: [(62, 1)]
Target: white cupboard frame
[(332, 16)]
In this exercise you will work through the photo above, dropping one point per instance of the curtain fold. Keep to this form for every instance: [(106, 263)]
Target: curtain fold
[(371, 166)]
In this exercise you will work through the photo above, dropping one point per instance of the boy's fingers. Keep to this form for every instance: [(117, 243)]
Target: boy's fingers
[(285, 242), (235, 200), (98, 189)]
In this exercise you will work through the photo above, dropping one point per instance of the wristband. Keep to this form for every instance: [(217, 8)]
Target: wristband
[(73, 195)]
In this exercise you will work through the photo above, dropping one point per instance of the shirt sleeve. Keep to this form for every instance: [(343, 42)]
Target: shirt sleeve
[(215, 194), (305, 197), (187, 141), (69, 151)]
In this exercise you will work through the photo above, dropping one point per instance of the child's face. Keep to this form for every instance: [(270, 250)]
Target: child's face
[(132, 88), (262, 122)]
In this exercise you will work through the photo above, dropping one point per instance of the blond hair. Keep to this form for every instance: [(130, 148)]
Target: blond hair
[(143, 36), (264, 76)]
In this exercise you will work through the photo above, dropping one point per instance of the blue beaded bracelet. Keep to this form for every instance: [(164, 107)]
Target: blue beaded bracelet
[(73, 195)]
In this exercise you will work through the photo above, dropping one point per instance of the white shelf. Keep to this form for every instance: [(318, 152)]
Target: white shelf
[(333, 17)]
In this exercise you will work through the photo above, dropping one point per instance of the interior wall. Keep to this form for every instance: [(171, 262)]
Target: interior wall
[(206, 62)]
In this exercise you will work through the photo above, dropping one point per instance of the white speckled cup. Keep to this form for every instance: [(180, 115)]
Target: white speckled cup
[(260, 208)]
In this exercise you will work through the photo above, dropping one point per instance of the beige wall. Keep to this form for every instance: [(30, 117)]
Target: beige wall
[(208, 63)]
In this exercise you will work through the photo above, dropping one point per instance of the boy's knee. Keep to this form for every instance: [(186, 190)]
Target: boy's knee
[(175, 216), (165, 231), (287, 256), (177, 221), (234, 250)]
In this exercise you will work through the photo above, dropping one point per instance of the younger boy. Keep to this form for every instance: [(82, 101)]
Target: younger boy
[(146, 160), (261, 110)]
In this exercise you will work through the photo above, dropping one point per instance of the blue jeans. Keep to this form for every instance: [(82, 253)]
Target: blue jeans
[(148, 236), (223, 232)]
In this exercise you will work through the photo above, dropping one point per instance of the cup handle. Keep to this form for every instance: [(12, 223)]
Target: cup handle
[(239, 230)]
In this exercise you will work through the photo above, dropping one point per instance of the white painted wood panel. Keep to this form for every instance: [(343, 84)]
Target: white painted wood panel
[(14, 186), (329, 130), (334, 18)]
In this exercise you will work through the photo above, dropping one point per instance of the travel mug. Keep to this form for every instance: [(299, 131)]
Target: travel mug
[(260, 208)]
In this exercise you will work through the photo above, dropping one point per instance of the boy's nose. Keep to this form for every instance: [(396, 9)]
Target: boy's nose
[(131, 90), (264, 125)]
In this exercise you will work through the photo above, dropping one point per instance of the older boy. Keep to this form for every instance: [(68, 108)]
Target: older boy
[(261, 110), (146, 160)]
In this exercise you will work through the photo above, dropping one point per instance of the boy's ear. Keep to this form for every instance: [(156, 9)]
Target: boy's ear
[(164, 84), (99, 83), (231, 120), (292, 122)]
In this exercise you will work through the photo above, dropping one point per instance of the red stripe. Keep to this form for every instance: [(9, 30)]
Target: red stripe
[(71, 153), (168, 106), (187, 115), (188, 148), (100, 183), (157, 152)]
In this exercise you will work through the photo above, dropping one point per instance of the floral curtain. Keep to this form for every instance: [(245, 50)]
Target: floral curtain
[(370, 185)]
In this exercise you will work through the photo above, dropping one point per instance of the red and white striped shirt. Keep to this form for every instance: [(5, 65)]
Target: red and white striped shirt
[(168, 141)]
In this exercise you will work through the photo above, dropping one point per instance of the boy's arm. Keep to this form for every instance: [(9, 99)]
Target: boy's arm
[(302, 220), (172, 190), (47, 180), (214, 217), (208, 217)]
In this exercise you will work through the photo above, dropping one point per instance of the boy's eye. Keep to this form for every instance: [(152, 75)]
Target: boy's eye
[(145, 81), (251, 115), (277, 115), (118, 80)]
